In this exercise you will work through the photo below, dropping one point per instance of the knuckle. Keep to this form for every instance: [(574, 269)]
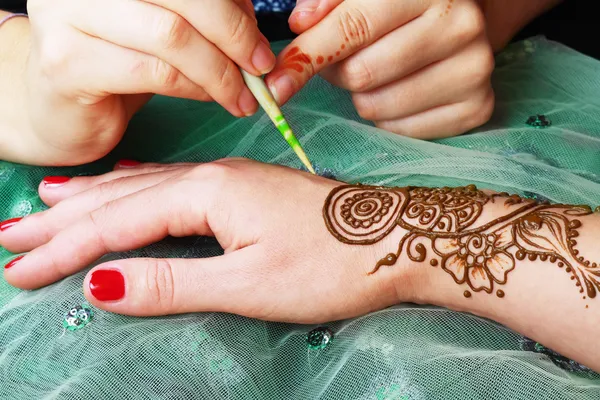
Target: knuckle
[(96, 219), (164, 74), (480, 112), (213, 172), (484, 63), (107, 190), (225, 74), (357, 75), (160, 283), (240, 25), (470, 23), (54, 56), (355, 27), (173, 32), (365, 106)]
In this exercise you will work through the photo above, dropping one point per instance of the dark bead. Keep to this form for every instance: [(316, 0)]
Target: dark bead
[(319, 338), (539, 121)]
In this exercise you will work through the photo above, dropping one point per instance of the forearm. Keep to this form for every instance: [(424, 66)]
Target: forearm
[(532, 267), (14, 49), (549, 296), (505, 18), (548, 287)]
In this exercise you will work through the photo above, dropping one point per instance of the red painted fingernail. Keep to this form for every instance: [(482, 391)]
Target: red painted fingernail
[(13, 262), (55, 181), (128, 163), (8, 223), (107, 285)]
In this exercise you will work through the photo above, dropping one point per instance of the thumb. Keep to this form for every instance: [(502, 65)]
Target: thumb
[(307, 13), (149, 287)]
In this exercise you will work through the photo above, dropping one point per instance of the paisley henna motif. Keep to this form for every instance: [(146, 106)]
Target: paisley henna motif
[(472, 250)]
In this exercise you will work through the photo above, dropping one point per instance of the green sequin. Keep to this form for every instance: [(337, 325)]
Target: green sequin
[(77, 318), (319, 338), (538, 121)]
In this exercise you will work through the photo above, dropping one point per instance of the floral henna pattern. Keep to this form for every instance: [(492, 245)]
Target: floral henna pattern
[(446, 227)]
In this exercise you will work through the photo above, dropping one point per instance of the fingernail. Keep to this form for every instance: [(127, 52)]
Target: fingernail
[(263, 58), (128, 163), (247, 103), (8, 223), (13, 262), (282, 89), (306, 6), (107, 285), (52, 182)]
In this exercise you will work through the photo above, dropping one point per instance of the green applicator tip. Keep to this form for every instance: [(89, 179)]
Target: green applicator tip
[(264, 97)]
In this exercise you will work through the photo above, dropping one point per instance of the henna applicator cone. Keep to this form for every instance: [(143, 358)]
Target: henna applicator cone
[(264, 97)]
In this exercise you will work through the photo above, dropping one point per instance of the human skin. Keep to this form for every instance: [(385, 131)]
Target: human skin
[(416, 68), (293, 253), (505, 18), (72, 76)]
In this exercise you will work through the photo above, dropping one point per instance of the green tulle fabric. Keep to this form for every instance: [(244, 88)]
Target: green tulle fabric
[(404, 352)]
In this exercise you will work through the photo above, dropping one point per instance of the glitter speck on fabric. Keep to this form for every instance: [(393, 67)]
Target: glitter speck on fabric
[(539, 121), (77, 317), (319, 338)]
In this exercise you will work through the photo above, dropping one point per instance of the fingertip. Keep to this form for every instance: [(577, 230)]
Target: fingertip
[(53, 182), (247, 103), (15, 274), (49, 197), (105, 286), (263, 58), (13, 238), (9, 223), (301, 21), (51, 189), (282, 87)]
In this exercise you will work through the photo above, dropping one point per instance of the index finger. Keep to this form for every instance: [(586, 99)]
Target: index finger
[(352, 25), (228, 26)]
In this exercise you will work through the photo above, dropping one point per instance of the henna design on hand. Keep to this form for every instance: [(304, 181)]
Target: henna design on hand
[(474, 250)]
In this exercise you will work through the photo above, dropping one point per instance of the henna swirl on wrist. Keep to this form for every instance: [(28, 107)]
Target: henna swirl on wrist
[(474, 250)]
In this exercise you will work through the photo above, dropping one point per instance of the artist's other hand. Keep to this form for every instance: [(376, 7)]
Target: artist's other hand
[(94, 63), (417, 68), (280, 263)]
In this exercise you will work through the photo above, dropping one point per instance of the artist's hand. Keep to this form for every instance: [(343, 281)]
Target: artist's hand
[(94, 63), (280, 263), (417, 68)]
